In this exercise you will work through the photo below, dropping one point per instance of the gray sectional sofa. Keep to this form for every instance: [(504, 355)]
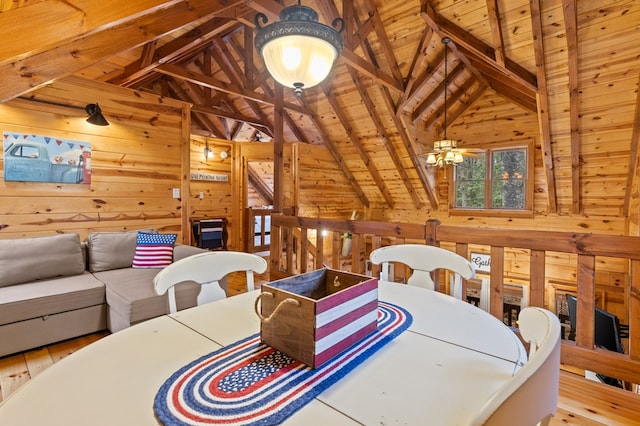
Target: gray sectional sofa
[(58, 287)]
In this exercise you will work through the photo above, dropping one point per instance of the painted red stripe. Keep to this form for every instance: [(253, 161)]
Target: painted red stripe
[(345, 295), (340, 346), (348, 318)]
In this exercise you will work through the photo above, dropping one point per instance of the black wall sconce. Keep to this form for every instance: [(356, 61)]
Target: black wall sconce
[(95, 115)]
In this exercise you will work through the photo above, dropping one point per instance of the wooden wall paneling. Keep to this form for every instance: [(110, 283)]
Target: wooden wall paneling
[(218, 196), (134, 164), (323, 190)]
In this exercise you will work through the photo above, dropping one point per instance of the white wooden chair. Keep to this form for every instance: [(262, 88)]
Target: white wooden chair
[(531, 397), (207, 269), (423, 259)]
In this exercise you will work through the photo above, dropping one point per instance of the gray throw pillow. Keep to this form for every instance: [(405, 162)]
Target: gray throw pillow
[(28, 259), (112, 250)]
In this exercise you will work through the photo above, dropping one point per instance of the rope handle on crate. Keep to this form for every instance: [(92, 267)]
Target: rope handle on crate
[(275, 311)]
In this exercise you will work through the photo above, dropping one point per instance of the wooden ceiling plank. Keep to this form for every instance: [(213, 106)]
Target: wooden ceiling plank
[(496, 31), (373, 112), (66, 58), (72, 20), (631, 190), (511, 70), (418, 63), (411, 148), (452, 113), (383, 39), (496, 79), (335, 152), (475, 46), (571, 29), (542, 106), (436, 93), (423, 80), (366, 159), (369, 70), (385, 138)]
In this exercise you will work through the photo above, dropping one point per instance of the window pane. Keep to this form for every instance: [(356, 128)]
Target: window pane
[(470, 182), (509, 170)]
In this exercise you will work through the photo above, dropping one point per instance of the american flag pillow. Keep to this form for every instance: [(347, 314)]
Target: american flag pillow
[(154, 250)]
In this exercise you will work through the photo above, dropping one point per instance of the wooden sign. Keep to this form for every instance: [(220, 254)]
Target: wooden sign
[(213, 177), (482, 262)]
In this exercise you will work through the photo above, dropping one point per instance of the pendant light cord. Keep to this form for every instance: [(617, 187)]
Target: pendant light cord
[(446, 41)]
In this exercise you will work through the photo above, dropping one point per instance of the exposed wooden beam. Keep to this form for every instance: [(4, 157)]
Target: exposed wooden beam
[(203, 80), (217, 111), (173, 50), (436, 93), (634, 162), (278, 151), (383, 39), (369, 104), (336, 154), (225, 60), (482, 58), (189, 95), (496, 31), (366, 159), (412, 150), (259, 185), (70, 56), (385, 138), (77, 19), (369, 70), (417, 70), (571, 30), (542, 101)]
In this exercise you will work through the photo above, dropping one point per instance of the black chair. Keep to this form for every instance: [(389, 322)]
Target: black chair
[(607, 333), (211, 233)]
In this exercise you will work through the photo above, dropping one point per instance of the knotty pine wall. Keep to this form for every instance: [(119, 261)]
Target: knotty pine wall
[(218, 195), (136, 161)]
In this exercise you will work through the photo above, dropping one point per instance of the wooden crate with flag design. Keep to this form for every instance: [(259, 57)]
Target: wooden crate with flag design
[(312, 317)]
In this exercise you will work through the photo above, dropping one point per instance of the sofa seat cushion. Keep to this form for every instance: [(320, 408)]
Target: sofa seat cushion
[(130, 292), (36, 299)]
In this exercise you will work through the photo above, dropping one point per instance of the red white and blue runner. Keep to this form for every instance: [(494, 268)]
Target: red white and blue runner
[(249, 383)]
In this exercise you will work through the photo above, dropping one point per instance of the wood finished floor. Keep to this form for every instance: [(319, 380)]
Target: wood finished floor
[(581, 402)]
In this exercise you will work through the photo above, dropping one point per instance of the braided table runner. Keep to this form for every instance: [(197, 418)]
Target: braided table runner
[(249, 383)]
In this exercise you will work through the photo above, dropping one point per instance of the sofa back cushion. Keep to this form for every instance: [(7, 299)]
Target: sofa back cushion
[(112, 250), (29, 259)]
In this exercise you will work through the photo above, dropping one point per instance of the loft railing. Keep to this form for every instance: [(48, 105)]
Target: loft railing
[(292, 237)]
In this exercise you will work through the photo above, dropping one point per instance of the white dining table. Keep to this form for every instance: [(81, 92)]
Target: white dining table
[(440, 371)]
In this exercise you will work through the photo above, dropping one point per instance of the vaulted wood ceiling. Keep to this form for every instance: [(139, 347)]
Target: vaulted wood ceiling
[(572, 67)]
